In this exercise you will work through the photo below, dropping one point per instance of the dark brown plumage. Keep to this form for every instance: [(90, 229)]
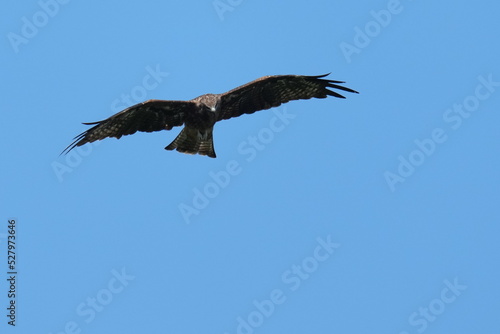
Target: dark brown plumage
[(200, 114)]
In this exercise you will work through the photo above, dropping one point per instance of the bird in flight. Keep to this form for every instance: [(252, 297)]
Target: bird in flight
[(200, 114)]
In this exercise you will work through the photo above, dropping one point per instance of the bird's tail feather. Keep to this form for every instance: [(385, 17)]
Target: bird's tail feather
[(192, 141)]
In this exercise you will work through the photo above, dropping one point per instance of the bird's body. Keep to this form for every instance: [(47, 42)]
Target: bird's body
[(200, 114), (197, 135)]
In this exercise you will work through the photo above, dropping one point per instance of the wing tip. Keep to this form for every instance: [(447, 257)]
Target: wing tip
[(69, 148), (332, 83), (77, 141)]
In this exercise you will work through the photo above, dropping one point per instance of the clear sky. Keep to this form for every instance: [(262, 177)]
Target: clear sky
[(374, 214)]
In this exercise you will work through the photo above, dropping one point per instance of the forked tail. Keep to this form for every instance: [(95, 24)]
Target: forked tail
[(192, 141)]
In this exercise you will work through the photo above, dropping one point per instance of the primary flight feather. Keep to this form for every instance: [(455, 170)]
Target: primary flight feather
[(199, 115)]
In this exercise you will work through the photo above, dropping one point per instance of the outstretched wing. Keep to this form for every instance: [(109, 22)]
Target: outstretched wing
[(272, 91), (149, 116)]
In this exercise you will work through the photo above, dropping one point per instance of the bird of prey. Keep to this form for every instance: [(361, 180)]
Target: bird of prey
[(200, 114)]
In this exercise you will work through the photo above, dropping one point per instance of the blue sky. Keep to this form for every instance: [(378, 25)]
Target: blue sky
[(377, 213)]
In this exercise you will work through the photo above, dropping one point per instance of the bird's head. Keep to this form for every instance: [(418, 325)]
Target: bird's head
[(211, 101)]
